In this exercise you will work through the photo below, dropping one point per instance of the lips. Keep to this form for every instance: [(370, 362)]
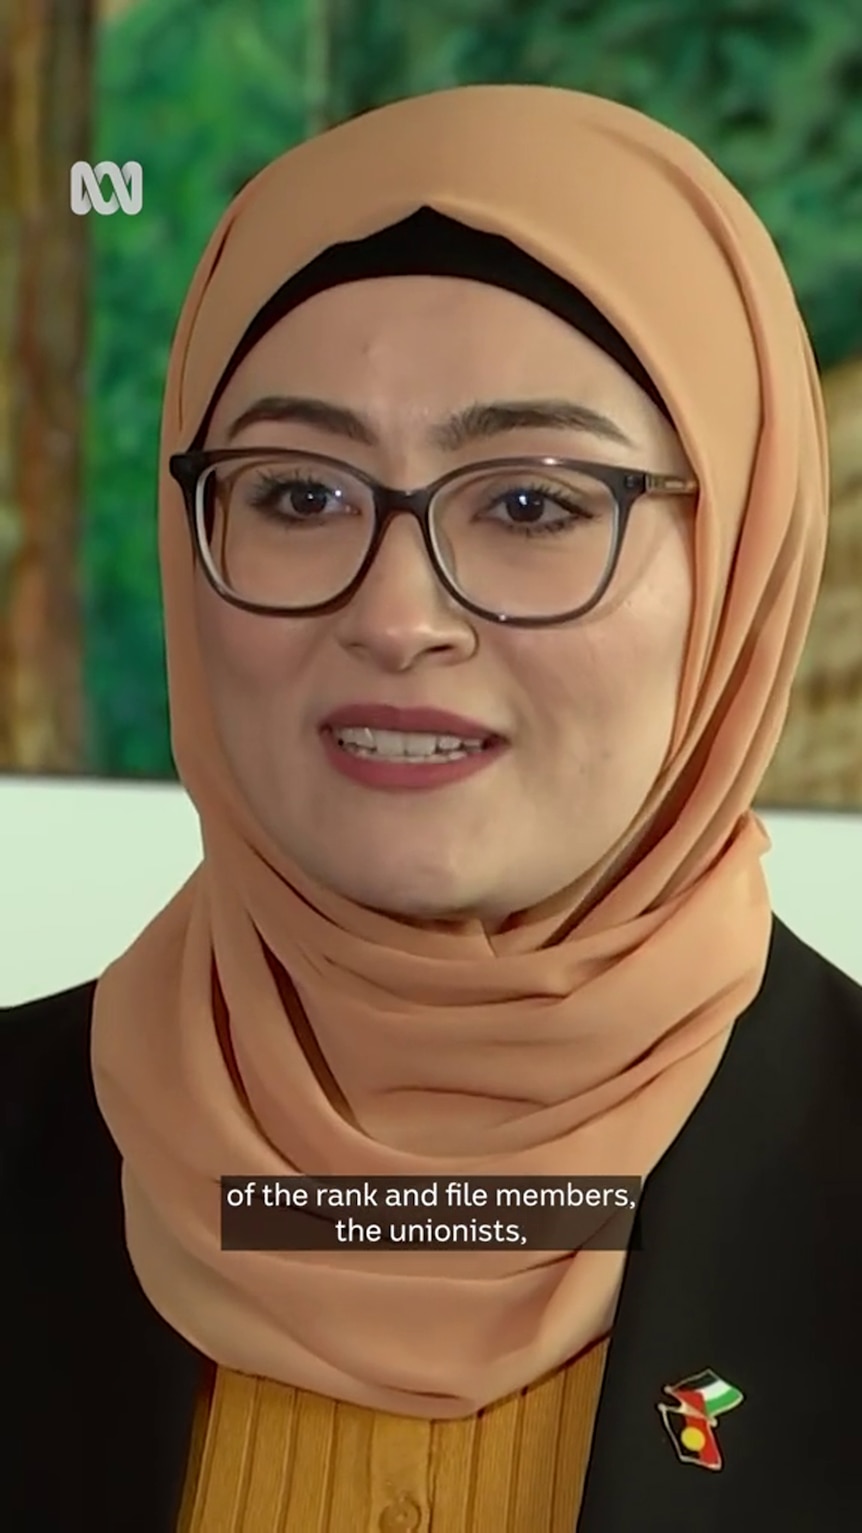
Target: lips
[(391, 749)]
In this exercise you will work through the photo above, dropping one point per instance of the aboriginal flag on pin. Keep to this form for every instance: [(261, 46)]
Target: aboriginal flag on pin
[(691, 1423)]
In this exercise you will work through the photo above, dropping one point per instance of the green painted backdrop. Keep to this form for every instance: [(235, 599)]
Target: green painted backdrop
[(205, 92)]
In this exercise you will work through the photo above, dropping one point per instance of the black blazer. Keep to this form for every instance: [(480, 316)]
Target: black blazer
[(750, 1264)]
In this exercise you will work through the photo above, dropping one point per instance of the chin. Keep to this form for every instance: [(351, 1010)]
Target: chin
[(408, 894)]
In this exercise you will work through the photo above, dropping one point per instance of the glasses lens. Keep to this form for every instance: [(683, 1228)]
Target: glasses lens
[(284, 532), (526, 541)]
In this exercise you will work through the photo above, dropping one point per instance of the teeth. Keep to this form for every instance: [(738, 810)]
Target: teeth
[(404, 747)]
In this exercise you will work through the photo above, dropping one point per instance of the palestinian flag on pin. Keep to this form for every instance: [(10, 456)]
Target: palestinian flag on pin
[(705, 1394), (691, 1424)]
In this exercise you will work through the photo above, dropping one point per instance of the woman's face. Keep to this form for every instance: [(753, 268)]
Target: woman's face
[(585, 711)]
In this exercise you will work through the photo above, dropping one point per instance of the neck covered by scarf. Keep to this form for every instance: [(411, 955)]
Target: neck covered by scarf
[(578, 1041)]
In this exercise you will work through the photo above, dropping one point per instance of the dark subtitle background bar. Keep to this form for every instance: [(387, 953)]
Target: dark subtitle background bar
[(442, 1213)]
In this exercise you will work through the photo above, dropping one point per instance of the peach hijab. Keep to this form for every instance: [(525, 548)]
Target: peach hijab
[(562, 1045)]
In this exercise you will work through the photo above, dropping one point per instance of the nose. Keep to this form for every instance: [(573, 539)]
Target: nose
[(401, 615)]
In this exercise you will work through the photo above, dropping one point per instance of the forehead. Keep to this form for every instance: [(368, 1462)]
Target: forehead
[(441, 338)]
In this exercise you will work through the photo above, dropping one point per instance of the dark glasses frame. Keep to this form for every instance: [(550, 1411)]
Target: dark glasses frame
[(627, 486)]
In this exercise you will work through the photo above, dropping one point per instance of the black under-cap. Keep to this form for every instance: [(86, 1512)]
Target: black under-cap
[(430, 244)]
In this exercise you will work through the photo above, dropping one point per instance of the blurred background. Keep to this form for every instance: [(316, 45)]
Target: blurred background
[(203, 93)]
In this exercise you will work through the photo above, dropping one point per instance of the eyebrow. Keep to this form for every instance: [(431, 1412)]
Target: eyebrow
[(475, 423)]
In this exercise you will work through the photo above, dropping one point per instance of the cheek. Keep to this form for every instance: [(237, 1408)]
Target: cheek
[(252, 662), (604, 693)]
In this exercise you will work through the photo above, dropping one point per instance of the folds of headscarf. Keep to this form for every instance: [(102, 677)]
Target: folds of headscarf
[(568, 1044)]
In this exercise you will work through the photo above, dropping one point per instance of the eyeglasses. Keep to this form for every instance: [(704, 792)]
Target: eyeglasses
[(531, 542)]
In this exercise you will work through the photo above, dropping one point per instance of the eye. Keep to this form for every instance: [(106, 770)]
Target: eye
[(305, 496), (294, 497), (541, 508)]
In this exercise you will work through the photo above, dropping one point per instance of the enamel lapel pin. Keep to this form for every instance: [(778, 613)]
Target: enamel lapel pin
[(691, 1423)]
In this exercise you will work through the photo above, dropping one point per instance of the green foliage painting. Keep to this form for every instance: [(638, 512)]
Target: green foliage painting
[(204, 92)]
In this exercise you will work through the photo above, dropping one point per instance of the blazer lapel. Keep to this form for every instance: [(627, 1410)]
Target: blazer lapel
[(102, 1390), (750, 1265)]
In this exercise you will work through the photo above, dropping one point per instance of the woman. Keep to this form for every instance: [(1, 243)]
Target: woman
[(482, 889)]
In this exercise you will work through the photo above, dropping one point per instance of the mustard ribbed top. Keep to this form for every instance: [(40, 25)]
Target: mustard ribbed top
[(267, 1458)]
